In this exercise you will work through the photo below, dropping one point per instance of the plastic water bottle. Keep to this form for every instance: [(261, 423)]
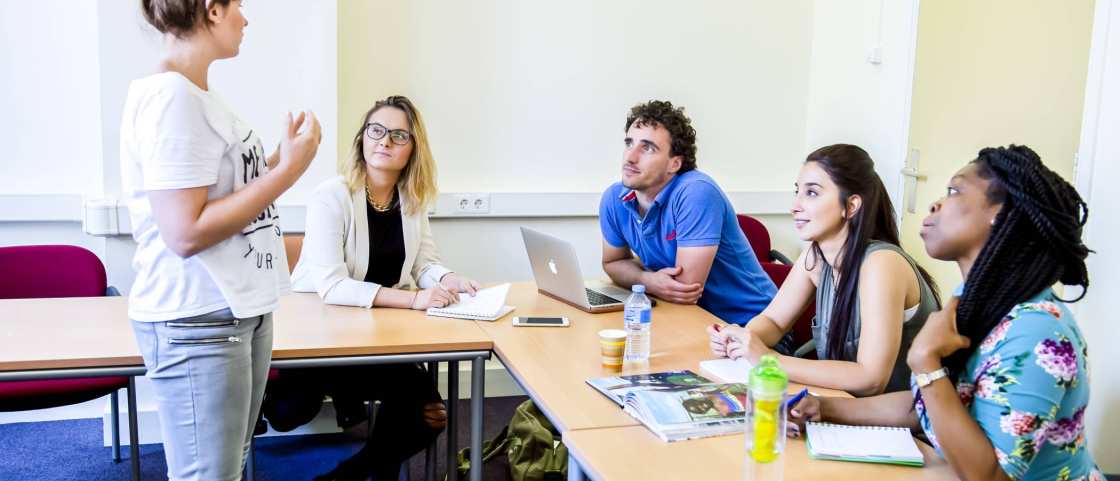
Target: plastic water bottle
[(766, 421), (637, 319)]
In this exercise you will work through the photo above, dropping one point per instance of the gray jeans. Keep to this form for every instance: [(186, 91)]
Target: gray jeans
[(209, 373)]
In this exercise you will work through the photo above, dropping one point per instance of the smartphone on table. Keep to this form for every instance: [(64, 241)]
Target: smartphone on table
[(538, 321)]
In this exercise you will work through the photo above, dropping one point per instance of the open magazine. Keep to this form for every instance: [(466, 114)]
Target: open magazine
[(678, 405), (617, 387)]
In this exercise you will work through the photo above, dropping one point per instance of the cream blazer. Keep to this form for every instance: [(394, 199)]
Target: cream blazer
[(335, 251)]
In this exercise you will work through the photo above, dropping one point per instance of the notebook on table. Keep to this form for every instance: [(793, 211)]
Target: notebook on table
[(867, 444), (727, 370), (486, 305)]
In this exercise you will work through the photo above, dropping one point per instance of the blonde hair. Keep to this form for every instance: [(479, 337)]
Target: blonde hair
[(417, 182)]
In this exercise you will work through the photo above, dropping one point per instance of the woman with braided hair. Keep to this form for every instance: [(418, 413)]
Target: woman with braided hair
[(1005, 339)]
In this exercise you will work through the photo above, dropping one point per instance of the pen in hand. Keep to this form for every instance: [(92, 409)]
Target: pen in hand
[(791, 402)]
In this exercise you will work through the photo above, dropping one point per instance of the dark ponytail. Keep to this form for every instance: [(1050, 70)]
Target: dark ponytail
[(1035, 242), (853, 172)]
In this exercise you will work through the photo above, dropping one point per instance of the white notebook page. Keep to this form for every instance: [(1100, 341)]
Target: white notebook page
[(862, 441), (486, 302)]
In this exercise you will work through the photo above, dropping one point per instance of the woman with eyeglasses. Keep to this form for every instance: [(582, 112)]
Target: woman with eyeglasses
[(368, 243)]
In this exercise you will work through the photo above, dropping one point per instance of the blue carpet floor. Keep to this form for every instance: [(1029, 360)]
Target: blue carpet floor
[(72, 451)]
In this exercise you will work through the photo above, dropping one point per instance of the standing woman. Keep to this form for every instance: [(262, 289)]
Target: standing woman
[(1001, 380), (210, 262)]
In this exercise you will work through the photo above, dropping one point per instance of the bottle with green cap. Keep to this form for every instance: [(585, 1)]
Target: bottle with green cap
[(766, 420)]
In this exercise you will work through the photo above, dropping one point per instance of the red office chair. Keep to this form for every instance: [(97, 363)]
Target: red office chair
[(47, 271), (759, 239), (803, 327), (778, 267)]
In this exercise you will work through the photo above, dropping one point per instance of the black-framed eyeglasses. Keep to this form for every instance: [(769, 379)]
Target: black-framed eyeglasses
[(377, 131)]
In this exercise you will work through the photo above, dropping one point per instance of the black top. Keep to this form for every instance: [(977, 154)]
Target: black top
[(386, 245)]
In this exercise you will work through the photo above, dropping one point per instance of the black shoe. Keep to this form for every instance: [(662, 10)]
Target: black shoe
[(261, 427)]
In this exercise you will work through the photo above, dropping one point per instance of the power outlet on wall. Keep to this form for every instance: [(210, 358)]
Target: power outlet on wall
[(472, 204)]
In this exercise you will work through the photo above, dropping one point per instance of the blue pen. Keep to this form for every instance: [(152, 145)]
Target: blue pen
[(795, 399)]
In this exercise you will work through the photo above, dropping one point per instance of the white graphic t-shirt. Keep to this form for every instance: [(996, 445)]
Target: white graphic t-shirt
[(175, 135)]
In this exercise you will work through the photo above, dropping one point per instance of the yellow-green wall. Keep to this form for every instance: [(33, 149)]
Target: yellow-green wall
[(369, 33), (990, 73)]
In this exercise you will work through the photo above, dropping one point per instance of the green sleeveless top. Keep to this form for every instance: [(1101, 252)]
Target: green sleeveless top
[(912, 323)]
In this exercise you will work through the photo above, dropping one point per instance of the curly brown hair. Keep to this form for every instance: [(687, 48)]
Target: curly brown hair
[(682, 137)]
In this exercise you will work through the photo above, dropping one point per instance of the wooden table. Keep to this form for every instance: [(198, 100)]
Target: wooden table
[(553, 364), (92, 337), (68, 337), (635, 453), (51, 338)]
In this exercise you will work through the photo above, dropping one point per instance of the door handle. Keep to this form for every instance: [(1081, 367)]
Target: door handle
[(912, 177), (913, 173)]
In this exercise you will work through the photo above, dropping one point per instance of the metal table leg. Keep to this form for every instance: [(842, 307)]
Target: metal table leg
[(575, 473), (115, 429), (433, 449), (478, 379), (133, 430), (452, 431)]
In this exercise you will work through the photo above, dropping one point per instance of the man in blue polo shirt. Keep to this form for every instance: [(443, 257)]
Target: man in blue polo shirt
[(679, 223)]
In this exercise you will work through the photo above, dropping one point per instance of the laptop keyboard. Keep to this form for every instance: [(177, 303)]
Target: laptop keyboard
[(596, 298)]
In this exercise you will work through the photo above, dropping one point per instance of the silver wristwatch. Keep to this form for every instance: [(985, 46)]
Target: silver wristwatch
[(925, 378)]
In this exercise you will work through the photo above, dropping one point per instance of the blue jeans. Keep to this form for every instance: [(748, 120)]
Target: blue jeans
[(209, 374)]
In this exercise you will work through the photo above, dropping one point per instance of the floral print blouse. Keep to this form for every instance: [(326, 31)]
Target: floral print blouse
[(1027, 386)]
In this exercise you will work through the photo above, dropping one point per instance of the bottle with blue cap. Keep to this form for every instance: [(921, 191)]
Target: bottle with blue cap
[(636, 317)]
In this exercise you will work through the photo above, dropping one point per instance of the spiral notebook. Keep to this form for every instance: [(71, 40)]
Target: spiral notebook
[(867, 444), (486, 305)]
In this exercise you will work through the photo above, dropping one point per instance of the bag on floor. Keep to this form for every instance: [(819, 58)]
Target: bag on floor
[(532, 445)]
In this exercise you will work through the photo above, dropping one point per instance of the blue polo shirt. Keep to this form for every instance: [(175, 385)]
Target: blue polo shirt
[(691, 211)]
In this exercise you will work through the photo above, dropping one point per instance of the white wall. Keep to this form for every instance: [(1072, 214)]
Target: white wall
[(853, 100), (1096, 175), (64, 134), (532, 96), (287, 63), (491, 250), (745, 72), (51, 127)]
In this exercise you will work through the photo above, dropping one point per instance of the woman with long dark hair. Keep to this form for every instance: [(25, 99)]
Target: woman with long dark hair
[(871, 297), (1005, 339)]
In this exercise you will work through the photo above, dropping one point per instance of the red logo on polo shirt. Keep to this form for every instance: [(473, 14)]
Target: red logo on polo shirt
[(672, 235)]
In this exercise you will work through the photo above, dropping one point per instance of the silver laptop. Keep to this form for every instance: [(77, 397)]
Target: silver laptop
[(556, 269)]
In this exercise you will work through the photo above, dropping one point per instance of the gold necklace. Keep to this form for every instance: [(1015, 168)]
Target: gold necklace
[(379, 207)]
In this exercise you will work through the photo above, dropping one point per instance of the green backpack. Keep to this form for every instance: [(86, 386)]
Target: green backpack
[(532, 444)]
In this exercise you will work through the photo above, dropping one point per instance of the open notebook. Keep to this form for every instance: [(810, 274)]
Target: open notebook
[(486, 305), (727, 370), (868, 444)]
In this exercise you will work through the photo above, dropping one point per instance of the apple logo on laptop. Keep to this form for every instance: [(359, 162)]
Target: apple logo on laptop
[(552, 266)]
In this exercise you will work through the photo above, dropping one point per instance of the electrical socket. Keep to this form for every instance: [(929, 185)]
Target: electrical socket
[(472, 204)]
